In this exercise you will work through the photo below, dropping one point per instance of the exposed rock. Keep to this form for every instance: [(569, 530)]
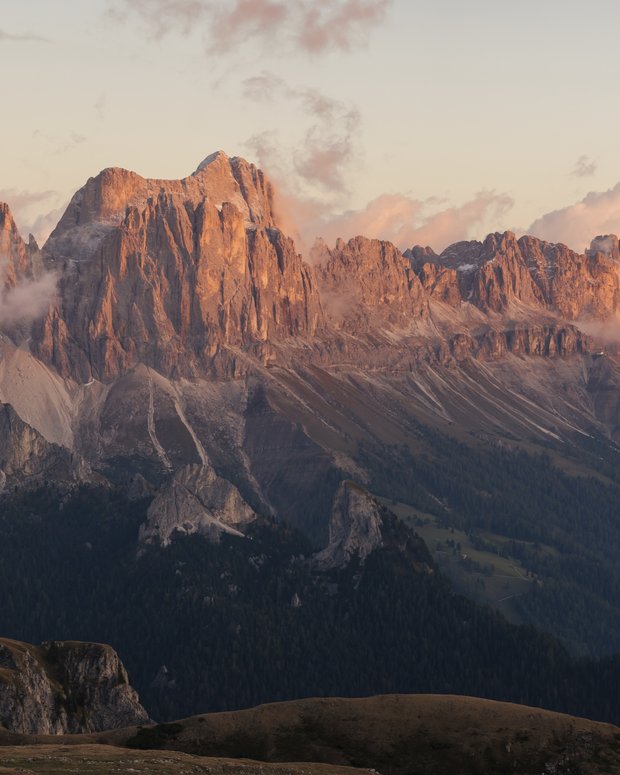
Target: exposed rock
[(195, 500), (189, 269), (440, 283), (545, 340), (503, 270), (354, 527), (366, 283), (189, 332), (15, 257), (25, 455), (65, 687)]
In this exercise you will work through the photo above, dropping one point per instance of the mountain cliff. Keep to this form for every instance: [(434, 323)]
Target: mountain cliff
[(64, 687), (25, 455), (503, 271), (173, 274)]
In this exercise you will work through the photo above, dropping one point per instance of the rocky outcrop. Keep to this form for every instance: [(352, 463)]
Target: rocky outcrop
[(354, 528), (101, 204), (195, 500), (25, 455), (15, 255), (440, 283), (187, 272), (503, 271), (65, 687), (519, 339), (368, 283)]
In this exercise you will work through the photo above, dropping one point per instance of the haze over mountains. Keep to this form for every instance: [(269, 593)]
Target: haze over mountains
[(192, 374)]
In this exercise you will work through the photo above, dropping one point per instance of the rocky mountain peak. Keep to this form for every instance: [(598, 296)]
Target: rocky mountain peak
[(101, 204), (504, 272), (366, 282), (171, 273), (15, 258)]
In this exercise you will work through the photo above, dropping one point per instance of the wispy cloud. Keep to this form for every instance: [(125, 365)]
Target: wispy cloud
[(406, 221), (584, 167), (576, 225), (28, 300), (24, 37), (341, 25), (311, 26), (321, 161), (323, 157), (35, 212), (100, 106), (70, 143)]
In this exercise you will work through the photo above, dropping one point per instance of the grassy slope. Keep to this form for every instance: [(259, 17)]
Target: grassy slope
[(484, 576), (394, 734), (92, 759)]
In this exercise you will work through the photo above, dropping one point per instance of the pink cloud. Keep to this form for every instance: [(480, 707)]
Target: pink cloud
[(323, 158), (406, 221), (339, 25), (577, 224), (312, 26), (27, 300)]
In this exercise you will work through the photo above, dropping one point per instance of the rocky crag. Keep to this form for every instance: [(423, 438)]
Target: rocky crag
[(65, 687)]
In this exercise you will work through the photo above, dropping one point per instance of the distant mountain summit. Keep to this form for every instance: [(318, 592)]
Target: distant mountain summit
[(171, 273)]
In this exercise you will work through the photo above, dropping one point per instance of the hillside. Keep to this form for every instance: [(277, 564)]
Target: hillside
[(392, 735)]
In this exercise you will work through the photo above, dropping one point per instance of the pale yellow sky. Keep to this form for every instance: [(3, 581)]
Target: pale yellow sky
[(479, 116)]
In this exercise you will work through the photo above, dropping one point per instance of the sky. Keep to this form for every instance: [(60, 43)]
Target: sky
[(417, 121)]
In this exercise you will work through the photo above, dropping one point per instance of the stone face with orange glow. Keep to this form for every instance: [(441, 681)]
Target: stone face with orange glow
[(189, 277), (171, 273)]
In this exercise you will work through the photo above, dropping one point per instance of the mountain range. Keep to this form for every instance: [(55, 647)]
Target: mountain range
[(177, 382)]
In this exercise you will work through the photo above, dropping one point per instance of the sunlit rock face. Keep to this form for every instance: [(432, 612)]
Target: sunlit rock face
[(366, 283), (15, 255), (173, 274), (503, 272)]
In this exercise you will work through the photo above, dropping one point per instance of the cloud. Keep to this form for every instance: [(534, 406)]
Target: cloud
[(339, 25), (585, 167), (26, 37), (70, 143), (247, 19), (100, 106), (407, 222), (323, 157), (28, 300), (35, 212), (45, 223), (311, 26), (576, 225)]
